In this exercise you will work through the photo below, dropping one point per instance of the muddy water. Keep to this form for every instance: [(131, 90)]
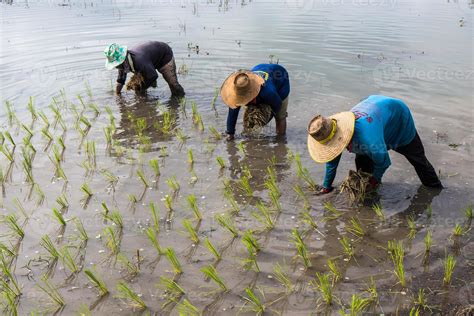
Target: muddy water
[(337, 52)]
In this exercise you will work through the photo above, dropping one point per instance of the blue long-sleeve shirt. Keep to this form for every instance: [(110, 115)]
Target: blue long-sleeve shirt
[(381, 124), (275, 89)]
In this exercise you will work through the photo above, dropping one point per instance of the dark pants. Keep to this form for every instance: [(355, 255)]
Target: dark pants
[(415, 153)]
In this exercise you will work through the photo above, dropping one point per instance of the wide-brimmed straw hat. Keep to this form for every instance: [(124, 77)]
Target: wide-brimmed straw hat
[(115, 55), (240, 88), (327, 137)]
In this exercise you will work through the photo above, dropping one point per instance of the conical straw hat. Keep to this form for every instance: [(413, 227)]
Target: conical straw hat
[(327, 137), (240, 88)]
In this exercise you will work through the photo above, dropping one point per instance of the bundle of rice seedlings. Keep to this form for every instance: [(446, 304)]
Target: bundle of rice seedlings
[(256, 116), (136, 83), (358, 186)]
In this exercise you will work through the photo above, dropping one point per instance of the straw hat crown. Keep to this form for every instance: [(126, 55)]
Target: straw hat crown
[(115, 55), (327, 137), (240, 88)]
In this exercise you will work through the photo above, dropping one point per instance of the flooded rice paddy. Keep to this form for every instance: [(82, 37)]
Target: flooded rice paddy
[(137, 205)]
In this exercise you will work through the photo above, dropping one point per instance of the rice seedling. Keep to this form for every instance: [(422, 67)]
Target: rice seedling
[(250, 242), (245, 185), (186, 308), (142, 178), (264, 217), (87, 190), (80, 228), (241, 148), (108, 136), (192, 202), (97, 282), (112, 240), (173, 288), (9, 154), (412, 226), (168, 202), (48, 245), (173, 260), (281, 275), (91, 152), (303, 174), (94, 109), (215, 133), (371, 290), (30, 133), (220, 161), (152, 236), (468, 212), (331, 212), (10, 112), (68, 260), (181, 136), (275, 194), (10, 138), (420, 301), (235, 209), (428, 242), (62, 202), (336, 273), (132, 268), (397, 254), (253, 302), (31, 108), (173, 184), (126, 293), (324, 286), (191, 231), (429, 211), (449, 264), (358, 304), (347, 247), (226, 222), (308, 219), (356, 227), (167, 124), (301, 248), (299, 191), (211, 273), (110, 178), (59, 217), (154, 164), (377, 208), (12, 222), (8, 280), (458, 230), (52, 292), (47, 135), (212, 249), (87, 126), (190, 157), (116, 218), (154, 217)]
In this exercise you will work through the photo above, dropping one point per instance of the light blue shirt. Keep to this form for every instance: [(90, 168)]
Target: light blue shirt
[(381, 124)]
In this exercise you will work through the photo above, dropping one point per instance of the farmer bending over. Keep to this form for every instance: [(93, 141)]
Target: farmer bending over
[(369, 130), (144, 60), (265, 84)]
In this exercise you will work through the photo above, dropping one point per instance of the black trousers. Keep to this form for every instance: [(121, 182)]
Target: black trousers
[(414, 152)]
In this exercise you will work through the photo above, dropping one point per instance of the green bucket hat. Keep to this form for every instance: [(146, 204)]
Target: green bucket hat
[(115, 55)]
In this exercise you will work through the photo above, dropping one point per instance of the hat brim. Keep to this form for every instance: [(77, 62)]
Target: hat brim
[(231, 99), (323, 153), (111, 65)]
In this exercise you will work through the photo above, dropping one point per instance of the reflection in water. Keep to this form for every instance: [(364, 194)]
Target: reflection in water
[(145, 121), (255, 155)]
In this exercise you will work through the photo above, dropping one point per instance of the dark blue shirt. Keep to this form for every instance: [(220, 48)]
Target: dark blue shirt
[(275, 89), (382, 123)]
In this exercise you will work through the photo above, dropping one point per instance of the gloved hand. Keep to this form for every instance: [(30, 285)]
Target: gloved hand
[(374, 183), (118, 88), (326, 190)]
